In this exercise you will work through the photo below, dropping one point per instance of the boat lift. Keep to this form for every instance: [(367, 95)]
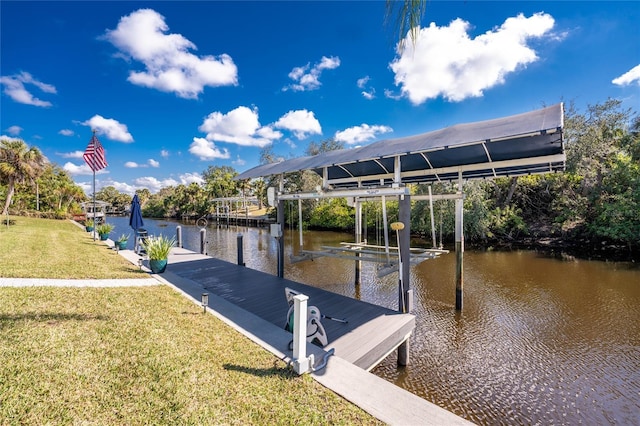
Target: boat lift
[(359, 251)]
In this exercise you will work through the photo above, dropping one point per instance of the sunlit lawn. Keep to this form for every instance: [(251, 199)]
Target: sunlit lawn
[(143, 355), (45, 248)]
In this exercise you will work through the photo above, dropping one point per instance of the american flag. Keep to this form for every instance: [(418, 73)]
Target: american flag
[(94, 155)]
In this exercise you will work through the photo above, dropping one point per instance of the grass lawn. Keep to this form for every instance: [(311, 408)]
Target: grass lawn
[(138, 355), (46, 248)]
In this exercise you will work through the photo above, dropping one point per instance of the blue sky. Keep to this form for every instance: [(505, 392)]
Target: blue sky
[(174, 87)]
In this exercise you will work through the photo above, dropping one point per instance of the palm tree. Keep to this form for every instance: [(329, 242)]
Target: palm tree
[(407, 18), (18, 163)]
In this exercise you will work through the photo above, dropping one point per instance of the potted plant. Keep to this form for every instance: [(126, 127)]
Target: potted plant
[(121, 243), (89, 225), (157, 249), (103, 230)]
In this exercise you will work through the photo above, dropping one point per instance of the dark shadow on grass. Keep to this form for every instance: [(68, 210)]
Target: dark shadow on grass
[(285, 372), (49, 318)]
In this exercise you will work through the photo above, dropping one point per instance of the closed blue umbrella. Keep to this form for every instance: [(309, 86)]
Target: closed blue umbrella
[(136, 222)]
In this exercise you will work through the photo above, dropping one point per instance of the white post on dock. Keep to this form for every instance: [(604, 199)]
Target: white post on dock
[(301, 363), (179, 236), (203, 241)]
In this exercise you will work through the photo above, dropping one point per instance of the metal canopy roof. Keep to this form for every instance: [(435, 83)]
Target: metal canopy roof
[(520, 144)]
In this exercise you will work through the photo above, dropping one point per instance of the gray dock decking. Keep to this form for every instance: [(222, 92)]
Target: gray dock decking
[(372, 331)]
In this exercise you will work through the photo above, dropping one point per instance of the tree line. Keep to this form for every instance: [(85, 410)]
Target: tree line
[(594, 206)]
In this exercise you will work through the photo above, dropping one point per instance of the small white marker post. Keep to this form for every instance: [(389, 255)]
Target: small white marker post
[(301, 363)]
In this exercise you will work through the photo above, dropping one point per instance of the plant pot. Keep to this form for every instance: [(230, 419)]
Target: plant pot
[(122, 245), (89, 228), (158, 266), (104, 237)]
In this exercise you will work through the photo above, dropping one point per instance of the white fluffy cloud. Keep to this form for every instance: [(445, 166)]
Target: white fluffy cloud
[(362, 133), (131, 165), (14, 130), (83, 169), (120, 186), (9, 138), (66, 132), (630, 77), (109, 127), (14, 87), (446, 62), (169, 65), (239, 126), (153, 163), (153, 184), (368, 92), (207, 150), (238, 161), (74, 154), (189, 178), (308, 77), (164, 153), (301, 122)]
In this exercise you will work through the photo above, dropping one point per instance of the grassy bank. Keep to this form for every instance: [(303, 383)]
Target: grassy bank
[(139, 355), (47, 248)]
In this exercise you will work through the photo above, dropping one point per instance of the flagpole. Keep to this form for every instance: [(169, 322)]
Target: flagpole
[(95, 159), (94, 205), (94, 191)]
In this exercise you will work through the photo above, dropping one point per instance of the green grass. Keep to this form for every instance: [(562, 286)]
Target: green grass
[(143, 355), (47, 248), (138, 355)]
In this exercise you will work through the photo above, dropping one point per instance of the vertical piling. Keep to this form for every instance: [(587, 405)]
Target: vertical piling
[(179, 236), (406, 293), (280, 239), (203, 241), (358, 262), (459, 245), (240, 251)]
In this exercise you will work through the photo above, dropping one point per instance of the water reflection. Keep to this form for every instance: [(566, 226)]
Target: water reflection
[(540, 340)]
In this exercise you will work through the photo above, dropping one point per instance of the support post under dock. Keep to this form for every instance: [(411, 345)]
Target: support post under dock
[(404, 243), (280, 239), (459, 204)]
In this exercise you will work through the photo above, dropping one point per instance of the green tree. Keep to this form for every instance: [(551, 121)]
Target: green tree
[(143, 196), (259, 190), (155, 204), (18, 164), (119, 201), (58, 190), (616, 208), (219, 183)]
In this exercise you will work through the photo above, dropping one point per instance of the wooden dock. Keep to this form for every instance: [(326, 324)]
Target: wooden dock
[(371, 333)]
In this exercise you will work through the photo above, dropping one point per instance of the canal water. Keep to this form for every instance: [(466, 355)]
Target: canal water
[(540, 340)]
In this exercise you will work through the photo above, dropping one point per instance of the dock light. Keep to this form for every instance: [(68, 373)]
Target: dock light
[(397, 226), (205, 302), (140, 263)]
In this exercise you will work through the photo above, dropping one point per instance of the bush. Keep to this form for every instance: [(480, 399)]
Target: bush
[(104, 228), (158, 248)]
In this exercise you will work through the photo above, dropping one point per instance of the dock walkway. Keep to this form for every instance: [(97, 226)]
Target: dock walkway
[(254, 303)]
